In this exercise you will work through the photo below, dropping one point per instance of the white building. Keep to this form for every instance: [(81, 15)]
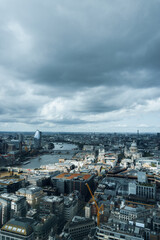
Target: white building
[(132, 152), (32, 193)]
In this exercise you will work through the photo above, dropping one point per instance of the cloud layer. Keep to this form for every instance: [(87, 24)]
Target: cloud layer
[(80, 65)]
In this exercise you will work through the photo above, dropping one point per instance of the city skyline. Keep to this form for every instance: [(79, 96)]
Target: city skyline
[(89, 66)]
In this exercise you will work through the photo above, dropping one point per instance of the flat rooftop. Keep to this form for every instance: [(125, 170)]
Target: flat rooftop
[(69, 176), (10, 181)]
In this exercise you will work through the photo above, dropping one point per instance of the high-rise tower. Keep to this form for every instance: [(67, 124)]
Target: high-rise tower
[(37, 139)]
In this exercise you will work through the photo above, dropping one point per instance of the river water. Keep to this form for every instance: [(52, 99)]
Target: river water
[(61, 150)]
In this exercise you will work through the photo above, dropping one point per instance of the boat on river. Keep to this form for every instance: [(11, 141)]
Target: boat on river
[(24, 163)]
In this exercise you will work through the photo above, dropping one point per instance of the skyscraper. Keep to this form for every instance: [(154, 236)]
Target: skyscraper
[(37, 139)]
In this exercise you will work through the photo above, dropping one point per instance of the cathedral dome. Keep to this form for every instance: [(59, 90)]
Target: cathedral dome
[(134, 144), (133, 147)]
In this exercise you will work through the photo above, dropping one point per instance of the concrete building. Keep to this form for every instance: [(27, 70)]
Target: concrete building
[(114, 233), (146, 190), (70, 207), (68, 182), (148, 163), (156, 224), (88, 148), (16, 229), (18, 205), (129, 213), (142, 189), (79, 227), (43, 226), (4, 211), (52, 204), (142, 177), (88, 211), (39, 180), (11, 185), (32, 193)]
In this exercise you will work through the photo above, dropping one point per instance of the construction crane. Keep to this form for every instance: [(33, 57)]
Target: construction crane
[(99, 209)]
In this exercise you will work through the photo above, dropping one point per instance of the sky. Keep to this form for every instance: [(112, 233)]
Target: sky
[(80, 66)]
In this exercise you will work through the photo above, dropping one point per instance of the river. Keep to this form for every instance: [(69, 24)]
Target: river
[(61, 150)]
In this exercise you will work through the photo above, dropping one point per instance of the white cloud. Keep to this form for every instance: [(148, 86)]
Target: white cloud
[(22, 42)]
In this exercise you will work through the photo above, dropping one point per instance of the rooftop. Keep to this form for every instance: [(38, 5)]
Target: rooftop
[(9, 181), (69, 176), (52, 199), (29, 190), (11, 196), (21, 226)]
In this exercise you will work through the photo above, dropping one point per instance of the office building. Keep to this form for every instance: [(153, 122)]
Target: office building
[(52, 204), (17, 228), (112, 233), (70, 207), (68, 182), (32, 193), (142, 190), (17, 204), (79, 227), (11, 185), (37, 139), (43, 226), (4, 211)]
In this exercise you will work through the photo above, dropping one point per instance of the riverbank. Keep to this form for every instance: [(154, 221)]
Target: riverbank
[(61, 150)]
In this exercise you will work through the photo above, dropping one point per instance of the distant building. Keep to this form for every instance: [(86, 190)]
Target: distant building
[(11, 147), (37, 139), (158, 135), (142, 190), (3, 146), (132, 188), (148, 162), (146, 190), (16, 143), (132, 152), (88, 211), (88, 147), (142, 177), (133, 149)]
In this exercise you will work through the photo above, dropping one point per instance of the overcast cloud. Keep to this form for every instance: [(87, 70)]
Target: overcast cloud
[(89, 65)]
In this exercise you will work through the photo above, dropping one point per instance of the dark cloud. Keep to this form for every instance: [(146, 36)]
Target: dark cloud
[(67, 61)]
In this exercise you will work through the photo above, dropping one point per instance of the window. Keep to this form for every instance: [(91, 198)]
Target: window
[(121, 236), (111, 234)]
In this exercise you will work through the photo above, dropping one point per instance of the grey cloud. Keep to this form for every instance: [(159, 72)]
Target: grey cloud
[(65, 48), (71, 46)]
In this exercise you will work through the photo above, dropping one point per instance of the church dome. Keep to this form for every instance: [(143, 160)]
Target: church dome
[(133, 148), (134, 144)]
